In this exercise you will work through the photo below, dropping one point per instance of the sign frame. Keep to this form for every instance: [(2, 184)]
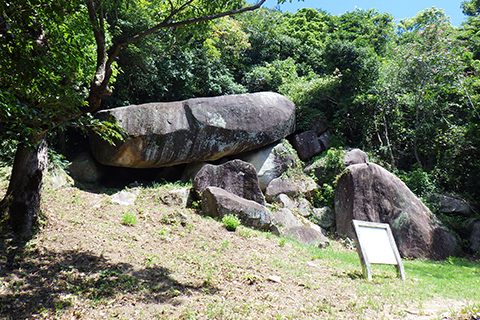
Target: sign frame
[(369, 235)]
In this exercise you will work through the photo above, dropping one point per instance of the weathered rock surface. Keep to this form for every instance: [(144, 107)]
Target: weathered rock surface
[(84, 168), (285, 201), (200, 129), (270, 162), (355, 156), (318, 125), (324, 140), (306, 186), (280, 186), (307, 144), (475, 237), (125, 198), (304, 207), (293, 225), (306, 235), (176, 197), (368, 192), (284, 217), (293, 187), (453, 206), (301, 206), (236, 176), (217, 203), (324, 217), (56, 178)]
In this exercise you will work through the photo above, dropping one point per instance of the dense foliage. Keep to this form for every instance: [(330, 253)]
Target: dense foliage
[(44, 72)]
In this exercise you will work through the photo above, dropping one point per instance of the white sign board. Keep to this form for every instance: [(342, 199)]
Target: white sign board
[(376, 245)]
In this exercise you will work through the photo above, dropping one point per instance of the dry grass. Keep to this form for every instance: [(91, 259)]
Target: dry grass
[(174, 264)]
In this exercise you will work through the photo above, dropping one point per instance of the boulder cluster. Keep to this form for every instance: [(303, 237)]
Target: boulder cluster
[(237, 150)]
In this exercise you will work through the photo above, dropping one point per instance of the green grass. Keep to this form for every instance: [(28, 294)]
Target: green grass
[(454, 278), (231, 222), (170, 185), (129, 218)]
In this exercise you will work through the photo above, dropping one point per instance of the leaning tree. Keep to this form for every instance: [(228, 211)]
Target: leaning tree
[(57, 61)]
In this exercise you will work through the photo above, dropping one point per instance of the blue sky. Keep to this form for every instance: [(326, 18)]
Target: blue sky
[(399, 8)]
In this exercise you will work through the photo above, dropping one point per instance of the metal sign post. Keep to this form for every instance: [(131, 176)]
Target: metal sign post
[(376, 245)]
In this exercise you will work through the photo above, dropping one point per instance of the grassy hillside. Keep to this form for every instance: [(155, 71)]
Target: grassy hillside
[(95, 259)]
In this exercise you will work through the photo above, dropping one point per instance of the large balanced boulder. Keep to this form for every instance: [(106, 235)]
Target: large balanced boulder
[(200, 129), (368, 192), (236, 176)]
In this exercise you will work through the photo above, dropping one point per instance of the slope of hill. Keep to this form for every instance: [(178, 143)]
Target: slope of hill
[(95, 259)]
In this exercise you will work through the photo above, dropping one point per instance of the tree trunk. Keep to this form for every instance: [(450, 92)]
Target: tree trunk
[(22, 200)]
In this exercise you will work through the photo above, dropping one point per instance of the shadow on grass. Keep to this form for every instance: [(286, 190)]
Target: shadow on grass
[(34, 282)]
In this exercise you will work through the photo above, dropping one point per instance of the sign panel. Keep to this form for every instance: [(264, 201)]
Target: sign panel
[(376, 245)]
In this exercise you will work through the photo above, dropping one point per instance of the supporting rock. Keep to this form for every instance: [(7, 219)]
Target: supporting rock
[(236, 176)]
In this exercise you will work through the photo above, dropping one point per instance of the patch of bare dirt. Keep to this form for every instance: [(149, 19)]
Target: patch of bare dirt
[(91, 262)]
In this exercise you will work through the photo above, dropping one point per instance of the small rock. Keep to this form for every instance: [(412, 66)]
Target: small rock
[(276, 279), (475, 237), (235, 176), (177, 197), (278, 186), (270, 162), (84, 168), (57, 178), (285, 218), (306, 235), (124, 198), (324, 140), (304, 207), (318, 125), (355, 156), (217, 203), (285, 201), (454, 206)]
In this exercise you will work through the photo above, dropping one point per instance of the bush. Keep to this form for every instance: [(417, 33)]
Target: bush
[(271, 76), (324, 196), (129, 218), (231, 222), (332, 164), (420, 182)]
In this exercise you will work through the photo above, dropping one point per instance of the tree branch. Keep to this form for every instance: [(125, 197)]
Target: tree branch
[(101, 83), (166, 24)]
